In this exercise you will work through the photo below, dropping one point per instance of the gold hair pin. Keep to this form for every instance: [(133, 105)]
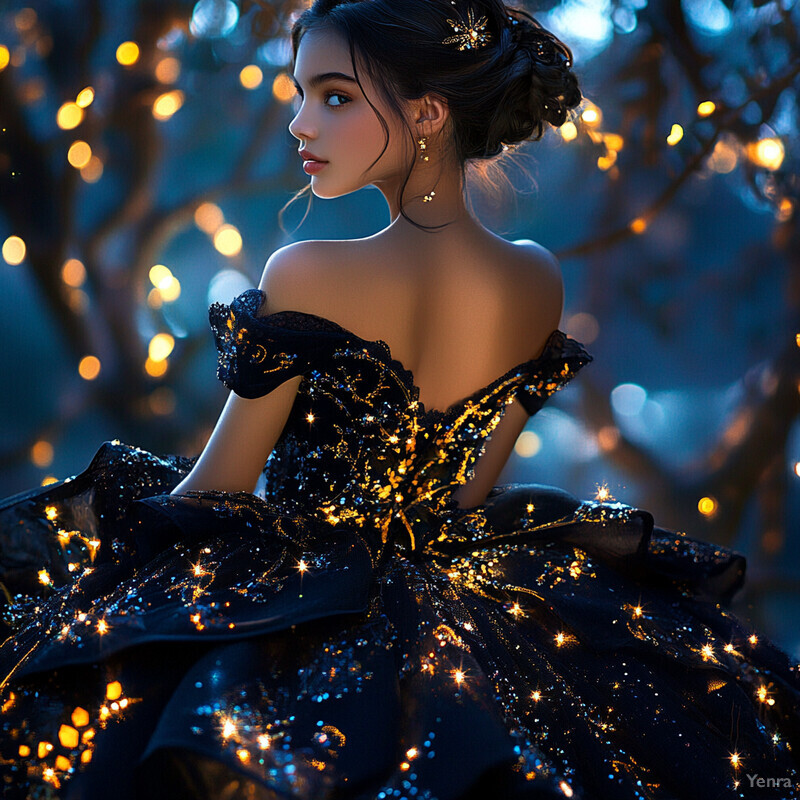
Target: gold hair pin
[(470, 35)]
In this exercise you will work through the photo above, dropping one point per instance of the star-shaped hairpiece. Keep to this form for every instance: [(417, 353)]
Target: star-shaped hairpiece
[(470, 35)]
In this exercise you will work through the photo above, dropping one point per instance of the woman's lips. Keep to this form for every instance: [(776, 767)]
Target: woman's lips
[(313, 167)]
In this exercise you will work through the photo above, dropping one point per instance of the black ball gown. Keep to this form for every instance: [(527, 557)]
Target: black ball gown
[(350, 632)]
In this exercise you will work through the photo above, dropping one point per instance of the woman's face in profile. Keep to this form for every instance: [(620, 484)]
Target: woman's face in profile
[(337, 125)]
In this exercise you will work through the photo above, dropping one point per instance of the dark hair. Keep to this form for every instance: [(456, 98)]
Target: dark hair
[(498, 94)]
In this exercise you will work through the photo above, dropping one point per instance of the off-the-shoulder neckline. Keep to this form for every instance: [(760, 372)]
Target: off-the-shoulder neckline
[(554, 341)]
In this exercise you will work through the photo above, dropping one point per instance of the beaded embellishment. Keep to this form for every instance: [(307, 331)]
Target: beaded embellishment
[(469, 35)]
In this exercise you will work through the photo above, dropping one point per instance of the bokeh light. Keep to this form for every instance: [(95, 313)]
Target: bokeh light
[(707, 506), (675, 135), (14, 250), (768, 153), (127, 53), (167, 104), (79, 154), (69, 116), (209, 217), (528, 444), (168, 70), (73, 273), (85, 97), (89, 368), (283, 89), (160, 347), (628, 399), (251, 76), (42, 453), (706, 108), (228, 240)]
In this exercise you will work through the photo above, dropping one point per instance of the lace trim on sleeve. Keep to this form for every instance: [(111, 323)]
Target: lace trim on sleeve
[(558, 364)]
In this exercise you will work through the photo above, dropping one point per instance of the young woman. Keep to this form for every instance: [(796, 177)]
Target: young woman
[(378, 619)]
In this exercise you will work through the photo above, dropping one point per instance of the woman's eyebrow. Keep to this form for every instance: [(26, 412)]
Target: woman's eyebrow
[(322, 77)]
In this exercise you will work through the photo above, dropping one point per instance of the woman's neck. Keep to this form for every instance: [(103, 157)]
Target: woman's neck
[(443, 184)]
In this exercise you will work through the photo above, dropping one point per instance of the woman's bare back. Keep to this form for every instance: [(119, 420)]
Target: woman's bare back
[(457, 312), (457, 315)]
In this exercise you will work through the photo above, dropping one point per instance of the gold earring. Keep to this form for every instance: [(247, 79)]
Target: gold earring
[(423, 148), (423, 154)]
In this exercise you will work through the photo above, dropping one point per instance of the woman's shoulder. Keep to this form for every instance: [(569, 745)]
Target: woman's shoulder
[(299, 276), (533, 262)]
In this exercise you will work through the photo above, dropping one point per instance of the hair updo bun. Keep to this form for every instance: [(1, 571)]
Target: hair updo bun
[(541, 86), (500, 91)]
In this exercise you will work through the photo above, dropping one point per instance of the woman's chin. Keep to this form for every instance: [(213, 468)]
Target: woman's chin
[(330, 193)]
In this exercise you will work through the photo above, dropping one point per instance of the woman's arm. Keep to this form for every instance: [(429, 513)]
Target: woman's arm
[(243, 438), (248, 429)]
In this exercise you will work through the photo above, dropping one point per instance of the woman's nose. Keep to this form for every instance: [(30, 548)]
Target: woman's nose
[(300, 127)]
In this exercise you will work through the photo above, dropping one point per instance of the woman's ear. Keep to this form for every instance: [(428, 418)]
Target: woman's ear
[(432, 113)]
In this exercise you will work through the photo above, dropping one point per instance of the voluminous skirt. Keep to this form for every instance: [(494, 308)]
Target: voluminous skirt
[(213, 646)]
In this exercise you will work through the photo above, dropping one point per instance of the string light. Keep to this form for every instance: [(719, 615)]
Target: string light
[(93, 171), (14, 250), (160, 347), (568, 131), (156, 369), (675, 135), (209, 217), (167, 104), (638, 225), (89, 368), (228, 240), (283, 88), (251, 76), (69, 116), (73, 273), (767, 153), (707, 506), (127, 53), (42, 453), (592, 115), (85, 97), (79, 154)]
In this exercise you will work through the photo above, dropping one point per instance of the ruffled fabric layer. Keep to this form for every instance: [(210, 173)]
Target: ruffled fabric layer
[(536, 645)]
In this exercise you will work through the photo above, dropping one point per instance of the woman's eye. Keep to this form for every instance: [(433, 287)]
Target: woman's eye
[(342, 98)]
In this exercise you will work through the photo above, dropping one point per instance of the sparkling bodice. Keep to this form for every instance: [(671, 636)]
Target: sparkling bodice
[(358, 447)]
